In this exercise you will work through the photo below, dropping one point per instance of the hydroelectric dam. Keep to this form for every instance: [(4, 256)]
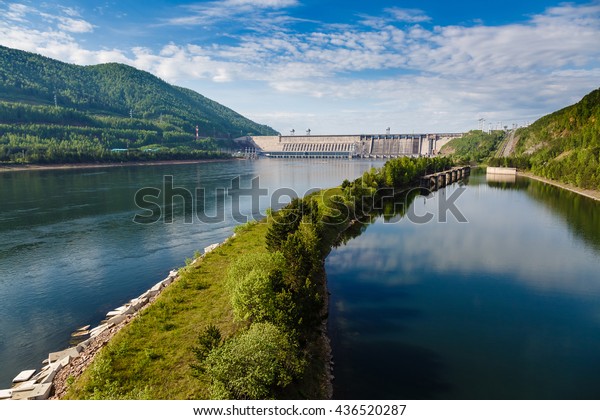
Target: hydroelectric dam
[(347, 146)]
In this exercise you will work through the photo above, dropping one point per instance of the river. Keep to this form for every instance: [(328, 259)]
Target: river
[(70, 251), (499, 301)]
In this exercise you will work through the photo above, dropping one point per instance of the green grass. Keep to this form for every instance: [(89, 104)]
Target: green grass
[(151, 357)]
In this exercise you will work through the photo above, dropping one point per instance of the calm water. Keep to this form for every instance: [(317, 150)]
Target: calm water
[(69, 251), (505, 306)]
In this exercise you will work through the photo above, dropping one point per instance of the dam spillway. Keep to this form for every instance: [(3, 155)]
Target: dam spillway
[(349, 146)]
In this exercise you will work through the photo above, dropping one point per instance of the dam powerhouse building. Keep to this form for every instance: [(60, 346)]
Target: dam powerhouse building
[(347, 146)]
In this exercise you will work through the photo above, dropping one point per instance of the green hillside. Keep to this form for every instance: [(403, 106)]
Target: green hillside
[(565, 145), (53, 112), (473, 147)]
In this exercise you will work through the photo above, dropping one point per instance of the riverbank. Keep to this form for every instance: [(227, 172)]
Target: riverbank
[(64, 166), (593, 194), (154, 357), (150, 356)]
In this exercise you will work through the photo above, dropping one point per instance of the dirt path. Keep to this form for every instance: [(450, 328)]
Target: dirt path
[(509, 145)]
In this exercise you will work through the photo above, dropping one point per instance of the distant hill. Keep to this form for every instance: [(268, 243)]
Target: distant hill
[(564, 146), (47, 104), (473, 147)]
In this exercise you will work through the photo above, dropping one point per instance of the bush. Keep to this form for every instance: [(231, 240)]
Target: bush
[(252, 281), (253, 365), (208, 340)]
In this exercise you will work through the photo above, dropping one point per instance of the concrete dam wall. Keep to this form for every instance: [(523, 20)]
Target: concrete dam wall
[(348, 146)]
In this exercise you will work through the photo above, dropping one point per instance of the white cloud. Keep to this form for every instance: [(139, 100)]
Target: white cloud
[(68, 21), (408, 15), (274, 4), (423, 77), (74, 25), (17, 12), (250, 12)]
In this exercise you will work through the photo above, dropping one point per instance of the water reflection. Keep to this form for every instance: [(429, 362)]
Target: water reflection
[(501, 179), (504, 306), (70, 251)]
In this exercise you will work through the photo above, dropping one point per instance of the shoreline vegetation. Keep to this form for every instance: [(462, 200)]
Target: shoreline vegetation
[(593, 194), (64, 166), (248, 319)]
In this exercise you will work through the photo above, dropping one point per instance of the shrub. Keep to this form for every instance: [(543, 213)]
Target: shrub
[(253, 365)]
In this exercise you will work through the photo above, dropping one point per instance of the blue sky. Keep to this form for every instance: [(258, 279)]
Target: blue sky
[(351, 66)]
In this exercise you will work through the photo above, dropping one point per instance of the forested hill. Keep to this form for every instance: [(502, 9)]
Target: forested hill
[(473, 147), (115, 90), (565, 145)]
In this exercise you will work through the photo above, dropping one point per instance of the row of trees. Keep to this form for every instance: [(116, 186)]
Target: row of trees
[(279, 293), (44, 134), (82, 149)]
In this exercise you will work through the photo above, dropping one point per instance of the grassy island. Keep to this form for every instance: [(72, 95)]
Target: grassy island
[(247, 320)]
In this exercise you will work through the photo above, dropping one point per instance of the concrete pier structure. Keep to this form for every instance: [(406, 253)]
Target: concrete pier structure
[(349, 146), (441, 179)]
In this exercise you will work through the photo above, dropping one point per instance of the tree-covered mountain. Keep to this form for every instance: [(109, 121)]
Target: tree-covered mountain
[(80, 113), (565, 145), (474, 146)]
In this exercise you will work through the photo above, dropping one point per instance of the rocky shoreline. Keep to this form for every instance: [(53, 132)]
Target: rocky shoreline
[(52, 380), (62, 368)]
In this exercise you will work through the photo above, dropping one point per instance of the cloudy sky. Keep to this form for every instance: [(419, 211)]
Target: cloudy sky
[(351, 66)]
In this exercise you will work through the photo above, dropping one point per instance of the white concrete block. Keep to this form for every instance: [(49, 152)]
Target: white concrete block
[(138, 303), (24, 376), (73, 352), (152, 293), (113, 313), (24, 386), (83, 345), (40, 392), (145, 295), (41, 374), (130, 310), (157, 287), (55, 368), (98, 330), (210, 248), (80, 333), (115, 320), (5, 394)]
